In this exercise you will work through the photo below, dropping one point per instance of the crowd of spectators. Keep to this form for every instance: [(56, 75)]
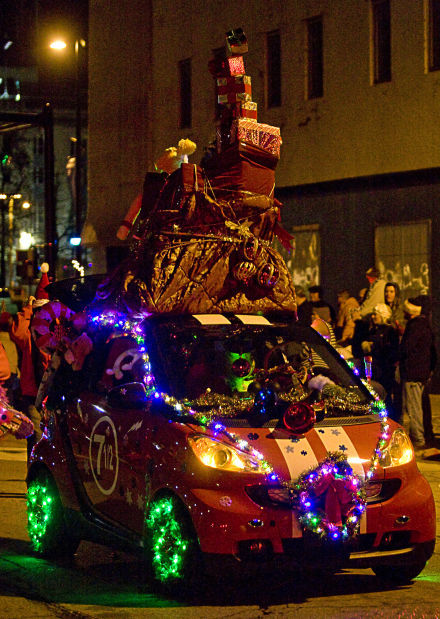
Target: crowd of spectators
[(389, 341)]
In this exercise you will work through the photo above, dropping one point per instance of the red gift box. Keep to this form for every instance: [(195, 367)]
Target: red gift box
[(233, 83), (242, 167), (264, 136), (235, 65), (234, 97), (234, 88)]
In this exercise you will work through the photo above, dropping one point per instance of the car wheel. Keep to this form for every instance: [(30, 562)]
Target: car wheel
[(399, 575), (173, 552), (46, 526)]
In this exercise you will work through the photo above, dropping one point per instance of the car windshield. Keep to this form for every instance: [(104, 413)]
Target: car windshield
[(231, 359)]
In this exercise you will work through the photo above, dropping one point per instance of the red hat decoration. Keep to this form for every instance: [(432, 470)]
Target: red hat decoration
[(40, 292)]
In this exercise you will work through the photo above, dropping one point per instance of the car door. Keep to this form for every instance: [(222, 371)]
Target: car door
[(109, 435)]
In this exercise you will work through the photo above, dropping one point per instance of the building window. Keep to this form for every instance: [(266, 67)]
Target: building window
[(403, 256), (434, 35), (185, 93), (381, 23), (315, 64), (304, 261), (273, 54)]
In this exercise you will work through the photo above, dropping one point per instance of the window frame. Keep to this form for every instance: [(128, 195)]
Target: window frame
[(314, 69), (381, 55), (273, 69), (432, 20), (407, 287), (185, 93)]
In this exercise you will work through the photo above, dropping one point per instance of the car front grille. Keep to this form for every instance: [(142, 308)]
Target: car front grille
[(279, 496)]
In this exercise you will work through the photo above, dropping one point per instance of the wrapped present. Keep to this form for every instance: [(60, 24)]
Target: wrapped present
[(234, 97), (234, 88), (234, 83), (264, 136), (242, 167), (247, 109), (236, 42), (239, 109), (235, 65)]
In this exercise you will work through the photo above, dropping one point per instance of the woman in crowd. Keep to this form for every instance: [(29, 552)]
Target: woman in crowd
[(392, 299)]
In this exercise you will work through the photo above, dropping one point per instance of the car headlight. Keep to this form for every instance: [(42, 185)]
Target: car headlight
[(218, 455), (398, 451)]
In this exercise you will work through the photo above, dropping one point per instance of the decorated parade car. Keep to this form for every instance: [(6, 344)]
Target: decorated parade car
[(187, 414), (233, 437)]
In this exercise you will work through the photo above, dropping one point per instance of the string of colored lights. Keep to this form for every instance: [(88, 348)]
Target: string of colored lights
[(303, 489)]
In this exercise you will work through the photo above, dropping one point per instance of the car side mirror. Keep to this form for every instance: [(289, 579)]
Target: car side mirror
[(130, 395)]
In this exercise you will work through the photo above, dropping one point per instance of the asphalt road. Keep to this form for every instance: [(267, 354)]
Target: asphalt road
[(101, 583)]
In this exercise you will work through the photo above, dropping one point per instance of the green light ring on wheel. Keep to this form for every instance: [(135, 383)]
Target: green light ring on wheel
[(168, 546), (40, 505)]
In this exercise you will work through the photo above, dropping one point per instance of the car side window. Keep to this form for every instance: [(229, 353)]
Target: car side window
[(123, 363)]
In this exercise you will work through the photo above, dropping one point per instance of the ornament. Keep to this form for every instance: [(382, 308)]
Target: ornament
[(241, 367), (268, 275), (299, 418), (243, 271), (252, 249)]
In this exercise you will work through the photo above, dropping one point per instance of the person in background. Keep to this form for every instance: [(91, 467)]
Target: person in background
[(321, 307), (10, 419), (375, 293), (392, 299), (417, 360), (304, 307), (382, 344), (426, 301), (33, 360), (345, 319), (13, 421), (12, 385), (5, 368)]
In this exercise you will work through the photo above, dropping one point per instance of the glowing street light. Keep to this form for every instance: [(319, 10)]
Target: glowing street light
[(59, 45)]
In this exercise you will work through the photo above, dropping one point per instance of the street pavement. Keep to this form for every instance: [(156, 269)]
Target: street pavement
[(104, 584)]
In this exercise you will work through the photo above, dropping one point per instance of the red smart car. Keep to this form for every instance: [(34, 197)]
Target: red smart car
[(197, 439)]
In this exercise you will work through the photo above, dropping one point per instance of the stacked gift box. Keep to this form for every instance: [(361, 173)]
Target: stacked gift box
[(264, 136), (237, 113)]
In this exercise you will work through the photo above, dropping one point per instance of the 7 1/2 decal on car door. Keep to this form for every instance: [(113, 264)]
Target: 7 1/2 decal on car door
[(103, 455)]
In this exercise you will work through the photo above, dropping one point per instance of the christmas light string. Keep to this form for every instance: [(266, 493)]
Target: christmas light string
[(334, 472)]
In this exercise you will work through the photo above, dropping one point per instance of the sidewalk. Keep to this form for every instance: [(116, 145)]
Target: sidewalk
[(433, 453)]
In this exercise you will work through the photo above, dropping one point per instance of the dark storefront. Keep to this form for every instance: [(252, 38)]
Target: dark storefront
[(344, 227)]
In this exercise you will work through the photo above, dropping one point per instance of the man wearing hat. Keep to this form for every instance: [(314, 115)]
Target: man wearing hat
[(375, 293), (417, 360)]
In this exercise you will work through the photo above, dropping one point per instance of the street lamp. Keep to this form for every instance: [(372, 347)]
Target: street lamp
[(60, 45)]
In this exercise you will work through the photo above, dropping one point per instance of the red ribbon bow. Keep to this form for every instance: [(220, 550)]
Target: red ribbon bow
[(338, 499)]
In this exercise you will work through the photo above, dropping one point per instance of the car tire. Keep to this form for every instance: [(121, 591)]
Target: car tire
[(47, 530), (399, 575), (173, 552)]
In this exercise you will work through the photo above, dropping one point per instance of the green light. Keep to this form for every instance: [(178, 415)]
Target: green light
[(39, 512), (166, 538)]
